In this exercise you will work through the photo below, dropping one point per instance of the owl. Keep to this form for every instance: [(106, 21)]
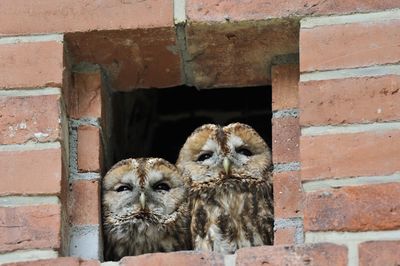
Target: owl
[(145, 208), (231, 198)]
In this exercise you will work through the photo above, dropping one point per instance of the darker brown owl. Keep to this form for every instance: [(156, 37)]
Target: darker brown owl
[(231, 191), (145, 208)]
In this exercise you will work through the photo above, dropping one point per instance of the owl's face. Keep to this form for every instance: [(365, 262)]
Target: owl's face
[(147, 190), (219, 152)]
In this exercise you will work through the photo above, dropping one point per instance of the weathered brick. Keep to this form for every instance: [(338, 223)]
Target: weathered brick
[(30, 172), (285, 236), (359, 208), (85, 205), (90, 263), (29, 227), (221, 10), (285, 139), (227, 54), (285, 79), (154, 50), (84, 99), (34, 118), (353, 100), (344, 155), (65, 261), (28, 65), (317, 254), (192, 258), (74, 15), (377, 253), (349, 45), (88, 149), (288, 195)]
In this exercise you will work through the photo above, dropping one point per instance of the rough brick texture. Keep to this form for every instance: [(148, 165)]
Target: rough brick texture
[(359, 208), (349, 45), (319, 254), (88, 149), (285, 79), (288, 195), (29, 227), (70, 261), (191, 258), (284, 236), (352, 100), (221, 10), (379, 253), (47, 16), (85, 205), (30, 172), (344, 155), (27, 65), (285, 139), (34, 118), (84, 99)]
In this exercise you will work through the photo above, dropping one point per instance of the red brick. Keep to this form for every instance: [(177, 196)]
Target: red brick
[(27, 65), (285, 236), (192, 258), (227, 54), (345, 101), (85, 97), (285, 89), (85, 206), (349, 45), (344, 155), (288, 195), (154, 50), (33, 118), (29, 227), (220, 10), (90, 263), (66, 261), (285, 139), (359, 208), (88, 149), (317, 254), (30, 172), (379, 253), (46, 16)]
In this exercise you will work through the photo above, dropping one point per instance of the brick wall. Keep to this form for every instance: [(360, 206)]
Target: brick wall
[(335, 118)]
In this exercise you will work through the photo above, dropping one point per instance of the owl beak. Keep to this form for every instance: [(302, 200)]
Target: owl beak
[(142, 201), (227, 165)]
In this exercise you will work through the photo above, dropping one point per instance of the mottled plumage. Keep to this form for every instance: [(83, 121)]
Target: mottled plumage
[(145, 208), (231, 192)]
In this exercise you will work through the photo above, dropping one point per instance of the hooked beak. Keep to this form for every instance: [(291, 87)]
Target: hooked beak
[(142, 201), (227, 165)]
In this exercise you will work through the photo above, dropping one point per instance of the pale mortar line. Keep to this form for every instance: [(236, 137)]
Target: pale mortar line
[(179, 12), (352, 254), (350, 129), (110, 263), (288, 222), (283, 167), (85, 121), (32, 92), (32, 38), (85, 176), (30, 146), (372, 71), (294, 112), (311, 186), (27, 255), (230, 260), (381, 16), (15, 201)]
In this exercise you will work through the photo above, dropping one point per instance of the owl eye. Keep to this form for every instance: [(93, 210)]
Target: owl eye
[(161, 186), (204, 156), (244, 151), (124, 188)]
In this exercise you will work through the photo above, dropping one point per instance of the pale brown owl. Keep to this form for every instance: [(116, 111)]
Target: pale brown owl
[(145, 208), (231, 191)]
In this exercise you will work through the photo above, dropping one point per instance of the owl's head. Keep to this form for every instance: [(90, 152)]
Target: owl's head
[(213, 152), (147, 190)]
